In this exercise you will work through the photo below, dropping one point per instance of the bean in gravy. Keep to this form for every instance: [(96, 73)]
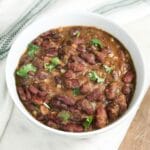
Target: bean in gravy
[(76, 78)]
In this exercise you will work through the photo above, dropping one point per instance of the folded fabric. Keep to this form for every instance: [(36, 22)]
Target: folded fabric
[(6, 103)]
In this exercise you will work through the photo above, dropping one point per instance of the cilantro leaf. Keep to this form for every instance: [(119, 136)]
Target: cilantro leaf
[(23, 71), (96, 42), (54, 62), (88, 121), (76, 91), (32, 49), (64, 115), (108, 69), (94, 77), (49, 67), (78, 34)]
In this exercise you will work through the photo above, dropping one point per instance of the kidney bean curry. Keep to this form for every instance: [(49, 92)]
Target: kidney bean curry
[(76, 78)]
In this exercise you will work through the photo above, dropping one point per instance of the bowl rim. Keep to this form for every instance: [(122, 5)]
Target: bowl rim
[(89, 133)]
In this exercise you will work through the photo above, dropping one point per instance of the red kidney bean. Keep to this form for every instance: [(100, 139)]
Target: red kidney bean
[(52, 124), (31, 73), (86, 88), (78, 41), (65, 99), (106, 50), (61, 51), (69, 74), (51, 52), (128, 77), (28, 94), (69, 42), (58, 79), (77, 59), (87, 107), (58, 104), (41, 75), (30, 106), (33, 89), (96, 95), (46, 44), (51, 34), (100, 56), (101, 117), (55, 36), (89, 58), (81, 48), (22, 93), (37, 62), (43, 87), (76, 115), (121, 101), (42, 93), (37, 100), (38, 41), (52, 115), (72, 83), (111, 90), (122, 55), (113, 111), (127, 89), (76, 67), (73, 127), (40, 117), (47, 34), (91, 48)]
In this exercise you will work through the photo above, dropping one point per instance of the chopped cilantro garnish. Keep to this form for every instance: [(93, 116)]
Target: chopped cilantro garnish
[(96, 42), (64, 115), (23, 71), (32, 49), (94, 77), (108, 69), (88, 121), (76, 91), (78, 34), (54, 62)]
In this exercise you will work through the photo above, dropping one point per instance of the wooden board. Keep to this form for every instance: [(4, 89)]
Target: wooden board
[(138, 135)]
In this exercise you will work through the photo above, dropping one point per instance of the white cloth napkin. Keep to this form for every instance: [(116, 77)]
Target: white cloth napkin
[(6, 103), (11, 10)]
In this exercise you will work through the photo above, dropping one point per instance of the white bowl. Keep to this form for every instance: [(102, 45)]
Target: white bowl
[(68, 19)]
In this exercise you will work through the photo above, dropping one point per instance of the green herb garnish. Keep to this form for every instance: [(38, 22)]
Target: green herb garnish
[(88, 121), (64, 115), (78, 34), (49, 67), (55, 61), (96, 42), (23, 71), (76, 91), (108, 69), (94, 77), (32, 49)]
